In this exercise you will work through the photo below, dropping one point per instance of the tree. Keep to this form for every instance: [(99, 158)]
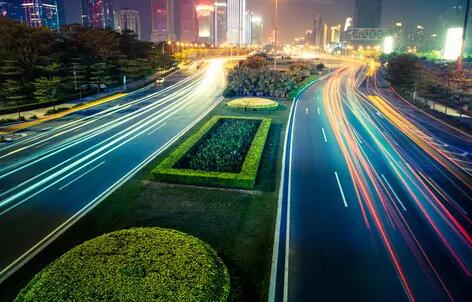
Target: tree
[(12, 91), (100, 75), (46, 90), (404, 72)]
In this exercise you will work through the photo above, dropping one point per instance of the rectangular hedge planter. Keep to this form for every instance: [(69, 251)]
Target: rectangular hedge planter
[(246, 179)]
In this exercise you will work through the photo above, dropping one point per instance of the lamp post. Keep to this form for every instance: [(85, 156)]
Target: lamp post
[(464, 36), (276, 32)]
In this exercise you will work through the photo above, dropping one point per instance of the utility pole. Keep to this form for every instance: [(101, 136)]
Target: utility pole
[(464, 37), (276, 32)]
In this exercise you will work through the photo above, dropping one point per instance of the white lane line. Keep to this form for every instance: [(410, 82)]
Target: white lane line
[(324, 135), (28, 255), (394, 193), (319, 112), (153, 131), (341, 189), (80, 176)]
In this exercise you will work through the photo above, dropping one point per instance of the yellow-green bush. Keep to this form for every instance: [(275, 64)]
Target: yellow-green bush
[(253, 104), (142, 264)]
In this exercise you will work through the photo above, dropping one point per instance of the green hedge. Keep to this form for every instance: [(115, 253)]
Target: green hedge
[(143, 264), (241, 105), (246, 179)]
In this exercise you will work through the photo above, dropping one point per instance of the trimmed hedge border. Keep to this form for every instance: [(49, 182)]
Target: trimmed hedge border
[(300, 87), (244, 104), (246, 179), (141, 264)]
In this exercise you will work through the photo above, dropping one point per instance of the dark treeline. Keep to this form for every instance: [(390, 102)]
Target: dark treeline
[(40, 65)]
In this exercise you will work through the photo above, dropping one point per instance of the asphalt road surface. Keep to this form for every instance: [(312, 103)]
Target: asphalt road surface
[(59, 170), (376, 199)]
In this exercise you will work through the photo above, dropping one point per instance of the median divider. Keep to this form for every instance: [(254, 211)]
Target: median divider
[(25, 125)]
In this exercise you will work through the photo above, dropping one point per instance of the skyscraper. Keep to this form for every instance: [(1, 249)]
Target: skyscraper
[(39, 13), (97, 13), (368, 13), (11, 9), (335, 34), (257, 31), (317, 32), (205, 22), (128, 19), (162, 13), (248, 27), (187, 21), (236, 11), (221, 22)]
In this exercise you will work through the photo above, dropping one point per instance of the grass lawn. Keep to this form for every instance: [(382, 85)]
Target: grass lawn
[(238, 224)]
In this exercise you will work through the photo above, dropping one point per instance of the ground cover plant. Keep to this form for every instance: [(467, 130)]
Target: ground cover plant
[(141, 264), (225, 153)]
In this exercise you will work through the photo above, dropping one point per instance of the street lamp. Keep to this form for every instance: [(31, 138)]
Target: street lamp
[(464, 36), (275, 32)]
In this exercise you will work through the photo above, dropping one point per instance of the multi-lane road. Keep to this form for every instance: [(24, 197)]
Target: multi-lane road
[(61, 169), (376, 198)]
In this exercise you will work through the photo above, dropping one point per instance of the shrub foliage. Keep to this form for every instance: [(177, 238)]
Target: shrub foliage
[(144, 264), (223, 149), (169, 169), (253, 104)]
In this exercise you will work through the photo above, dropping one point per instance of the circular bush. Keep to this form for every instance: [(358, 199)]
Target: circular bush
[(143, 264), (253, 104)]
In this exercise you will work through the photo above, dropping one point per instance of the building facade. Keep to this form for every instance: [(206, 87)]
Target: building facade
[(236, 24), (368, 13), (128, 19), (162, 13), (97, 13), (187, 21), (37, 13), (221, 22), (257, 31), (11, 9), (205, 23)]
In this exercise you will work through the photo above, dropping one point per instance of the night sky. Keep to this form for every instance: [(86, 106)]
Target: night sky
[(296, 15)]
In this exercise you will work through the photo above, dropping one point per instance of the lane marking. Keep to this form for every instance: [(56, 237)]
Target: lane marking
[(319, 112), (38, 247), (324, 135), (153, 131), (341, 189), (394, 193), (80, 176), (307, 110)]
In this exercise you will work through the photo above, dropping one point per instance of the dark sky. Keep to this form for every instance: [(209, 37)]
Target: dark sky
[(296, 15)]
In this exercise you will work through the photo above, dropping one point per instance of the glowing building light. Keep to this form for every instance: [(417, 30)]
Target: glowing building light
[(453, 47), (388, 45)]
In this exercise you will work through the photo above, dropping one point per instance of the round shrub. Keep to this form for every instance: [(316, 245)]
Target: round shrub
[(253, 104), (142, 264)]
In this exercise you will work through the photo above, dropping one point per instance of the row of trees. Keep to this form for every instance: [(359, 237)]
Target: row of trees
[(437, 81), (39, 65), (253, 77)]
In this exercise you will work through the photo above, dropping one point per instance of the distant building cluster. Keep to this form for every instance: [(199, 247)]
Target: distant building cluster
[(204, 21), (35, 13), (364, 31)]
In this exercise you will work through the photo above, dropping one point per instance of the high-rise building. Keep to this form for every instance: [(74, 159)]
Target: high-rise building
[(162, 13), (317, 32), (248, 27), (257, 31), (187, 21), (335, 34), (11, 9), (97, 13), (221, 22), (39, 13), (128, 19), (368, 13), (236, 24), (325, 39), (205, 23)]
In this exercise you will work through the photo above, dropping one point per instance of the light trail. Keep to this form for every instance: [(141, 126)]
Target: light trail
[(379, 203)]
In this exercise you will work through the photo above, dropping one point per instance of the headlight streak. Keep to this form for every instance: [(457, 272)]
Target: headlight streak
[(378, 200), (210, 83)]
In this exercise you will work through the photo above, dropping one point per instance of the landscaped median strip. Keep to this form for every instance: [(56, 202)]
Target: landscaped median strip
[(26, 125)]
